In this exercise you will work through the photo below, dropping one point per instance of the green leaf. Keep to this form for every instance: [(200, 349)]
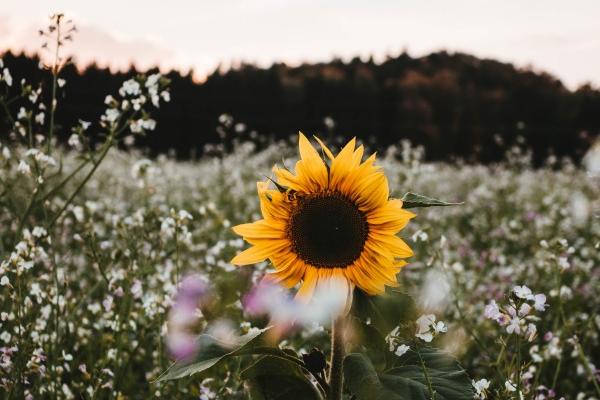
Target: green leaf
[(384, 312), (408, 381), (366, 338), (414, 200), (212, 351), (275, 378)]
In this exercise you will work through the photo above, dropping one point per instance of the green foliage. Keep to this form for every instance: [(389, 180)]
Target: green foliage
[(276, 378), (414, 200), (411, 380), (211, 351), (384, 312)]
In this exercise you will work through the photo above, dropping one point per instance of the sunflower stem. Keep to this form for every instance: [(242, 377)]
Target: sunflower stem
[(336, 377)]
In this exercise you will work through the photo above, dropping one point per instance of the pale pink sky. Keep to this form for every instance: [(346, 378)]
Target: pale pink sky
[(558, 36)]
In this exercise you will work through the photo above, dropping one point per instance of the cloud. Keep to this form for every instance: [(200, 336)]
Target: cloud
[(91, 44)]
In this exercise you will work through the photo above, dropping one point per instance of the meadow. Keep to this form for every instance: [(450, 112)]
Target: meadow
[(99, 242), (87, 315)]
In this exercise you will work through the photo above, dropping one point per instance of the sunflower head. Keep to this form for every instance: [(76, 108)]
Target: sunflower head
[(330, 220)]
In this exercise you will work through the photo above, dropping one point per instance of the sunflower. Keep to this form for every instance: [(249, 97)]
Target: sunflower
[(331, 220)]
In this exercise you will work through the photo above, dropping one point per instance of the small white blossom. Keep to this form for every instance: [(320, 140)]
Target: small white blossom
[(514, 326), (5, 337), (427, 327), (7, 77), (84, 124), (24, 168), (130, 87), (74, 141), (22, 113), (111, 115), (39, 118), (540, 302), (401, 350), (492, 311), (522, 292), (510, 387), (481, 386)]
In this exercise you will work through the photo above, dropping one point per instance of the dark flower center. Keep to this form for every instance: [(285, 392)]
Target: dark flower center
[(327, 230)]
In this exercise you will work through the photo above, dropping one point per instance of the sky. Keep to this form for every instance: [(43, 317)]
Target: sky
[(556, 36)]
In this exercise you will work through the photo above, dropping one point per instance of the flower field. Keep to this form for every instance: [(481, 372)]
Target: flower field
[(125, 277), (85, 305)]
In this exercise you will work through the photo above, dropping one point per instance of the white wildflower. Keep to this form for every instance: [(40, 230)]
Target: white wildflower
[(130, 87), (5, 337), (22, 114), (7, 77), (111, 115), (523, 292), (427, 327), (492, 311), (39, 118), (401, 350), (510, 387), (74, 141), (540, 302), (481, 386), (24, 168)]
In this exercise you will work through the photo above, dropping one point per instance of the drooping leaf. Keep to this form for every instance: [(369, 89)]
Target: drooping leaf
[(211, 351), (414, 200), (276, 378), (408, 380), (384, 312)]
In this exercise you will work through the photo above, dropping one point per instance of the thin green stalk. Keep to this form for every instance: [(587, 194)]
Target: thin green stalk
[(7, 112), (62, 183), (518, 366), (556, 372), (425, 373), (107, 147), (55, 69), (336, 377), (586, 364), (97, 260), (177, 262), (27, 210)]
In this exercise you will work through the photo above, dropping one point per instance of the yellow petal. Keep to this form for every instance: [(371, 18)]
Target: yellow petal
[(391, 217), (365, 281), (258, 253), (373, 192), (309, 283), (326, 150), (261, 229), (311, 167), (396, 245), (289, 180), (342, 164), (290, 274)]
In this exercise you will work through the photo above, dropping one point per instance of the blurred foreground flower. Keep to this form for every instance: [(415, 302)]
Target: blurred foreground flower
[(333, 219), (328, 301), (181, 342)]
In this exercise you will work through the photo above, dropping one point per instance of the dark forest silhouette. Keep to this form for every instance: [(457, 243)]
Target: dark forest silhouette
[(456, 105)]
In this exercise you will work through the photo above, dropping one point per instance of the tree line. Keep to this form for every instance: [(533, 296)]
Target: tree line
[(455, 105)]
